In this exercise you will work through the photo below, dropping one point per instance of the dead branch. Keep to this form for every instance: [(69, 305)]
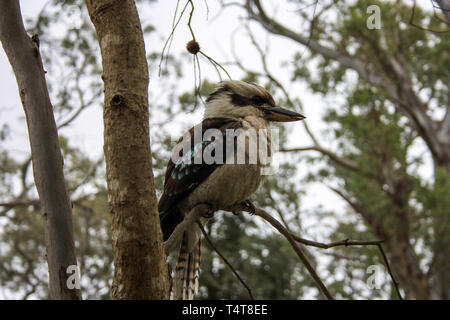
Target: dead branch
[(202, 209), (266, 216)]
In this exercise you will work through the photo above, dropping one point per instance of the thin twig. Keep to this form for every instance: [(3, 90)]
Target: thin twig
[(216, 64), (347, 243), (196, 60), (412, 23), (171, 35), (190, 19), (226, 261), (201, 209), (389, 270), (248, 207)]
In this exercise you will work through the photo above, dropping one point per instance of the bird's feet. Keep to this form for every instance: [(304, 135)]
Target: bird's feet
[(249, 207), (209, 212)]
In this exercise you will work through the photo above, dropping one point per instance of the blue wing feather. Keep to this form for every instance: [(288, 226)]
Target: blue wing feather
[(184, 175)]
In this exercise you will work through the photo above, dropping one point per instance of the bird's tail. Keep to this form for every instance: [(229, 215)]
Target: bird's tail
[(187, 270)]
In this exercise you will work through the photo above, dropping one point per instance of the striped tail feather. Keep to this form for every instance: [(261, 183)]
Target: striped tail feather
[(185, 281)]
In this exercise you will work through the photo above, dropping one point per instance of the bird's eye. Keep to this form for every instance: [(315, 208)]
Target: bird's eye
[(258, 100)]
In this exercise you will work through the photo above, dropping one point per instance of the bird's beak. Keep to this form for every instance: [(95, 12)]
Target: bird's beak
[(281, 115)]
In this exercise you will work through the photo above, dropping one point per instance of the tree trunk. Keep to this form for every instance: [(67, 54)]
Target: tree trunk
[(139, 259), (23, 54)]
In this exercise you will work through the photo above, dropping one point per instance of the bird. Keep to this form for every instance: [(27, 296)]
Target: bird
[(227, 174)]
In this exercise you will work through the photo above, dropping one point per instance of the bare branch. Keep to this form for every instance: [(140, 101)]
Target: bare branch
[(347, 243), (169, 39), (446, 14), (377, 225), (226, 261), (202, 209), (405, 98), (334, 157), (266, 216)]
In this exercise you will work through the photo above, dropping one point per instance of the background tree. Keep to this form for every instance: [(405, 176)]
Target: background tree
[(396, 92), (23, 54), (371, 154)]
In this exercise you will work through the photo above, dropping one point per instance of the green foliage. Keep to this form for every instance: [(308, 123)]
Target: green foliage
[(392, 198), (23, 268), (264, 260), (364, 127)]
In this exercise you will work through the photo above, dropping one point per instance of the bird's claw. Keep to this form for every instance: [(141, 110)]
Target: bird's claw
[(209, 213), (249, 206)]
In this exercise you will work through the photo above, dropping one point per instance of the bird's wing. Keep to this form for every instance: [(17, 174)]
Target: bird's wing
[(183, 174)]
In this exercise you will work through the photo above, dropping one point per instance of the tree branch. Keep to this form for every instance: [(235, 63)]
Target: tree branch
[(226, 261), (203, 209), (187, 222), (346, 60), (283, 231), (444, 5), (405, 98), (347, 243), (334, 157)]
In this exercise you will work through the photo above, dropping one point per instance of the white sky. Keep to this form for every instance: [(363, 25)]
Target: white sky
[(214, 37)]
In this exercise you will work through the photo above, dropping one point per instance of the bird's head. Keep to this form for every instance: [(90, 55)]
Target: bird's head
[(239, 99)]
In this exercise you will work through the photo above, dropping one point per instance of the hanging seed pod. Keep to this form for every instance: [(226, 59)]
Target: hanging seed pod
[(193, 47)]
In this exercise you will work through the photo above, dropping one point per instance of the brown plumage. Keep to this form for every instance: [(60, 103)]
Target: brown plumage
[(234, 106), (185, 282)]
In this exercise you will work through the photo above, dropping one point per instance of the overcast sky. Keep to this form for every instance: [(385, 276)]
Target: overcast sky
[(214, 35), (217, 35)]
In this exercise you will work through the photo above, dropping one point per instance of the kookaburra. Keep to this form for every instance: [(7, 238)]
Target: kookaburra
[(236, 109)]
